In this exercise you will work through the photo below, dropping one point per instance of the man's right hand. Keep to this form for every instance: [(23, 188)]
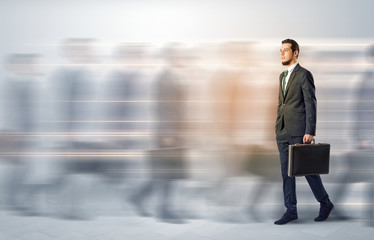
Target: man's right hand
[(308, 138)]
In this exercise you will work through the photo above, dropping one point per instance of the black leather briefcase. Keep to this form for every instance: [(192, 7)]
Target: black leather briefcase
[(308, 159)]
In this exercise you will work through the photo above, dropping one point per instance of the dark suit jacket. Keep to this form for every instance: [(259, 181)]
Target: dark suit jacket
[(297, 110)]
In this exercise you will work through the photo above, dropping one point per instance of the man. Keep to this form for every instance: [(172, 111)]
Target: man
[(296, 123)]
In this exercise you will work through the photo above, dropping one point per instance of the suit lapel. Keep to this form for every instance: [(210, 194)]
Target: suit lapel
[(293, 74)]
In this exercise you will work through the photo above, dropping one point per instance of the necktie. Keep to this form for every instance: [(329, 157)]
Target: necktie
[(284, 82)]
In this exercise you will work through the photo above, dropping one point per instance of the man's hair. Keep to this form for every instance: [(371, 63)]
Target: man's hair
[(294, 45)]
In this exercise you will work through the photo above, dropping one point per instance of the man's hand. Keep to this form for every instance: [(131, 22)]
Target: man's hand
[(308, 138)]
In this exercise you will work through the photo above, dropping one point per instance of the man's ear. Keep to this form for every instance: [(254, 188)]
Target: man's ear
[(296, 53)]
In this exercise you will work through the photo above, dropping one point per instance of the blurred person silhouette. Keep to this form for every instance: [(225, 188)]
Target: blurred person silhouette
[(196, 125), (21, 91), (239, 126), (126, 111), (128, 93), (360, 162), (227, 90), (73, 88), (195, 91), (260, 153), (296, 123), (167, 161), (228, 93)]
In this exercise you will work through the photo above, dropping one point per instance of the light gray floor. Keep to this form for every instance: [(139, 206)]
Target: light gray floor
[(15, 227), (114, 219)]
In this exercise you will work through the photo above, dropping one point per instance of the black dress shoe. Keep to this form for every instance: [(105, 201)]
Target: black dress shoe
[(286, 218), (324, 212)]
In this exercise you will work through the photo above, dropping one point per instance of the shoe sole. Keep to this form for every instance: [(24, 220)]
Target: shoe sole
[(285, 222)]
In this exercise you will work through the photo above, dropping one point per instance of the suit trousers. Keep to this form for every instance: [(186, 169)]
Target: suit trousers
[(289, 183)]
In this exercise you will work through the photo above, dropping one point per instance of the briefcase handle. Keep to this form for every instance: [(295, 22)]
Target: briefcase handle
[(312, 142)]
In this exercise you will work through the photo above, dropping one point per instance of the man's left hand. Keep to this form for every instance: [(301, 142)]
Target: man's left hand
[(308, 138)]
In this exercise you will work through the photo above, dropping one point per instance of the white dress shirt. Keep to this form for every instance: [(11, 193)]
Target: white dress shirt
[(290, 69)]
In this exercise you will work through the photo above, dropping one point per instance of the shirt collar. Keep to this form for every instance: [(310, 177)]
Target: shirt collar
[(292, 67)]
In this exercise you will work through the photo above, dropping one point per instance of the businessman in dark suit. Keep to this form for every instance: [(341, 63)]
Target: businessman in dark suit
[(296, 123)]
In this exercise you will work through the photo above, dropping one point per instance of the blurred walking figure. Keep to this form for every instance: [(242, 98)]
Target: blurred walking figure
[(72, 92), (364, 128), (21, 98), (126, 105), (73, 86), (166, 162), (360, 162), (126, 113), (234, 122), (230, 92)]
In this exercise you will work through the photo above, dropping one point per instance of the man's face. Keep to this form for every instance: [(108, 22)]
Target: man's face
[(288, 57)]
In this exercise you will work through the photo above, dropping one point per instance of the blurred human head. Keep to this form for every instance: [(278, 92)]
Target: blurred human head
[(79, 50), (131, 53), (236, 53), (174, 55), (23, 64)]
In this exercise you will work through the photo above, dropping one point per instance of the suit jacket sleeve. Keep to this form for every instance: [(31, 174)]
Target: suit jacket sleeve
[(310, 101)]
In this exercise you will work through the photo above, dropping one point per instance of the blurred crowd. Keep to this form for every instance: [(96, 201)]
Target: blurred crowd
[(174, 131)]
